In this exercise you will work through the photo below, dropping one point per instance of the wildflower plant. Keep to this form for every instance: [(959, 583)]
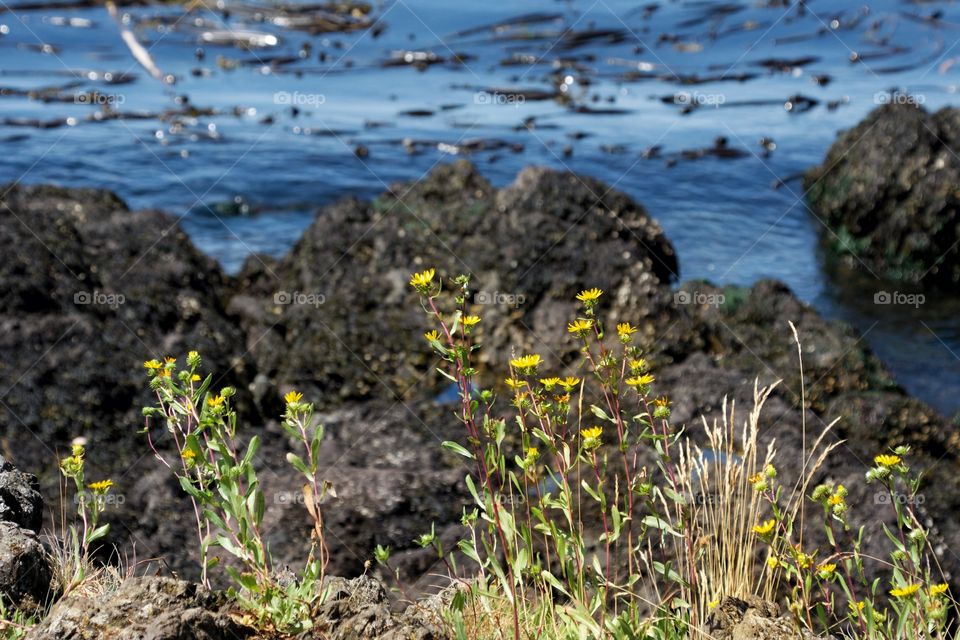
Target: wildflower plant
[(216, 470), (91, 501), (681, 526)]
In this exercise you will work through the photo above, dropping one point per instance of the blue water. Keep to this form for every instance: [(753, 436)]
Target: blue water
[(727, 222)]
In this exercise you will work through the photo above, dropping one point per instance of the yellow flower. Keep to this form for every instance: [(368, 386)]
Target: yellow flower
[(640, 381), (431, 336), (638, 366), (592, 432), (905, 592), (188, 454), (193, 355), (625, 330), (215, 401), (549, 383), (755, 478), (152, 365), (422, 281), (513, 383), (835, 499), (194, 378), (887, 460), (292, 397), (580, 327), (713, 604), (569, 383), (169, 360), (589, 296), (526, 362), (938, 589), (100, 487), (765, 528), (827, 570), (804, 561), (469, 321), (772, 562), (591, 437)]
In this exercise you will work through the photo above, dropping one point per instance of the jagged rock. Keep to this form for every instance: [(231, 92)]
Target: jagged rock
[(752, 619), (887, 192), (20, 499), (24, 568), (89, 291), (143, 609), (529, 248), (358, 609)]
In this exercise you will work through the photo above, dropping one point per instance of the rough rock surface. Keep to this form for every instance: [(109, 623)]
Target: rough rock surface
[(887, 192), (529, 248), (24, 568), (25, 571), (143, 609), (358, 351), (91, 290), (20, 499), (359, 609), (751, 619)]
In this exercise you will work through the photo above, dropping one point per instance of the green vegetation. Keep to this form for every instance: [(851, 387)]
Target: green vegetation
[(592, 516), (217, 472), (679, 524)]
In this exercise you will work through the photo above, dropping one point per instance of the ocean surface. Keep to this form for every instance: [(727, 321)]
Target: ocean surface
[(705, 111)]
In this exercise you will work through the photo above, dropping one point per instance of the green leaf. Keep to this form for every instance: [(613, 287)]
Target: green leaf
[(297, 463), (458, 449), (98, 533)]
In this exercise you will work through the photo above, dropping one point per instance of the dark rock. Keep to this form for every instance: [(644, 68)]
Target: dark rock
[(751, 619), (91, 290), (390, 480), (359, 609), (529, 248), (143, 609), (887, 193), (25, 572), (20, 499)]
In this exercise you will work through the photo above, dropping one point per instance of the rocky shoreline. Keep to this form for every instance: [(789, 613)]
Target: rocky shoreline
[(92, 289)]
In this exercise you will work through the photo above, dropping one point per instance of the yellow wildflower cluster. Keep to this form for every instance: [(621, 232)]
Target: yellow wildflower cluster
[(765, 529), (640, 382), (589, 296), (101, 487), (887, 460), (625, 330), (591, 437), (526, 364), (580, 327), (905, 591), (423, 282)]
